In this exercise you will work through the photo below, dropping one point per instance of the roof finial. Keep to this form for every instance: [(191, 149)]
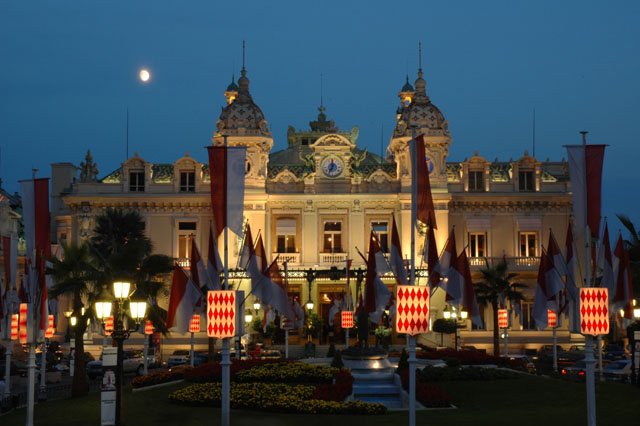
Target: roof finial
[(243, 48), (420, 57)]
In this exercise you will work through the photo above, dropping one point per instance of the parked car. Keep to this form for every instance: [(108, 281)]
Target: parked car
[(577, 369), (526, 361), (179, 357), (154, 358), (132, 362), (613, 352), (618, 370), (545, 353)]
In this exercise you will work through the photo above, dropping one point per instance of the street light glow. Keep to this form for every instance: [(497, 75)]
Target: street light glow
[(145, 75)]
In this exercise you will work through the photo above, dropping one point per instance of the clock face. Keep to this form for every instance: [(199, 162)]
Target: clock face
[(332, 166)]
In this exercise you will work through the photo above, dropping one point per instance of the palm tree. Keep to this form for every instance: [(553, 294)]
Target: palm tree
[(633, 249), (123, 250), (496, 285), (75, 276)]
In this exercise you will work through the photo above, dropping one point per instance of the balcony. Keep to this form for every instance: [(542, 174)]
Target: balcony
[(291, 258), (513, 263), (184, 262), (332, 258)]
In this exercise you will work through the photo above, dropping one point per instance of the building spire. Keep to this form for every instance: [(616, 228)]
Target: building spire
[(321, 88), (420, 84), (243, 49)]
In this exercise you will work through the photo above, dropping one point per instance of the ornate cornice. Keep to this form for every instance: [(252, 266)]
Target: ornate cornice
[(510, 206)]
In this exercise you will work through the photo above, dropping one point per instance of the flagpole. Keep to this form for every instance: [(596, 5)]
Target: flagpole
[(286, 332), (555, 336), (226, 362), (414, 214), (588, 351), (346, 330)]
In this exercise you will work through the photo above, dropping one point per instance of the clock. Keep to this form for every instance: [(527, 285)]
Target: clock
[(332, 166)]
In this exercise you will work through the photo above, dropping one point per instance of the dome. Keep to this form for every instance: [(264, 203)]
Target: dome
[(233, 86), (407, 86), (242, 116), (421, 113)]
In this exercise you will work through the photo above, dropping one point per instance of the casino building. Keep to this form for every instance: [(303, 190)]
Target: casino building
[(315, 202)]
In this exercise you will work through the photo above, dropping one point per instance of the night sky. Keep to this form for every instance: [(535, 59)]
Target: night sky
[(69, 70)]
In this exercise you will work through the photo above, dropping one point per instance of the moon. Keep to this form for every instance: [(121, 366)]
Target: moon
[(145, 75)]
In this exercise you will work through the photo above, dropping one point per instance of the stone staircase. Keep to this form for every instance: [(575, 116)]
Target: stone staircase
[(377, 385)]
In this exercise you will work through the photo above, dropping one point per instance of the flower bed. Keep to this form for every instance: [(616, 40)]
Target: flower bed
[(439, 374), (428, 395), (212, 371), (291, 372), (271, 397), (337, 391), (159, 377)]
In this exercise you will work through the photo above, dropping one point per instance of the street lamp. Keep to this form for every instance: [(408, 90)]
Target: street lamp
[(310, 277), (459, 318), (137, 309)]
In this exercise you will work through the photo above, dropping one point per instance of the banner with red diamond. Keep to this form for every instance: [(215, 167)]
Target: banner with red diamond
[(503, 318), (594, 314), (221, 313), (347, 319), (51, 329), (194, 324), (412, 316), (15, 320), (552, 319), (148, 327)]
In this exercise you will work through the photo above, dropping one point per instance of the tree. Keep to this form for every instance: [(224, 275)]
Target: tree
[(75, 276), (123, 250), (497, 285), (633, 249)]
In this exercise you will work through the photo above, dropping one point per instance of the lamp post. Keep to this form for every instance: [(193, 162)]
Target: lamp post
[(310, 278), (121, 330), (459, 318)]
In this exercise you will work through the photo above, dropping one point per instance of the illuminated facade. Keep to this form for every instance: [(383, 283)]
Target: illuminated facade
[(315, 202)]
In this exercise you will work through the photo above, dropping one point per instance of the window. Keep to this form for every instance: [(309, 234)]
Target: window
[(477, 244), (381, 229), (474, 326), (525, 179), (332, 238), (187, 181), (476, 182), (286, 235), (528, 244), (526, 319), (136, 181), (186, 231)]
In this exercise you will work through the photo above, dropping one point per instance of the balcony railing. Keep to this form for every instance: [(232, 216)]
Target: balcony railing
[(513, 263), (332, 258), (184, 262), (291, 258)]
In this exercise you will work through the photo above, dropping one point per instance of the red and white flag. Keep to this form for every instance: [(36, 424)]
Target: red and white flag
[(422, 188), (252, 263), (227, 169), (585, 171), (35, 208), (276, 295), (376, 295), (556, 268), (604, 264), (214, 264), (299, 313), (448, 256), (430, 257), (541, 302), (10, 255), (623, 295), (468, 300), (198, 272), (185, 296), (570, 297), (395, 256)]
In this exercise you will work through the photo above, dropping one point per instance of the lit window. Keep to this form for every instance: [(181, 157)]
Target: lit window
[(286, 235), (186, 231), (381, 230), (528, 244), (527, 321), (476, 182), (477, 244), (136, 181), (187, 181), (525, 179), (332, 239)]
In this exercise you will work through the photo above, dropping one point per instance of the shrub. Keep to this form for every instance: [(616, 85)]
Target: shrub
[(439, 374), (428, 395), (271, 397), (470, 357), (403, 362), (158, 377), (452, 362), (332, 351), (337, 391), (337, 360)]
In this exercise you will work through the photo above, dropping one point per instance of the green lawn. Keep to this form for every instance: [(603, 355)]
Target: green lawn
[(525, 401)]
